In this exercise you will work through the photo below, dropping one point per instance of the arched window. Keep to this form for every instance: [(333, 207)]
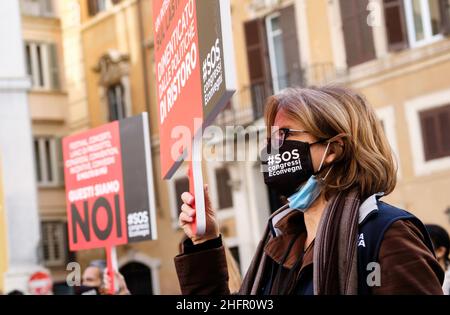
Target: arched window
[(138, 278)]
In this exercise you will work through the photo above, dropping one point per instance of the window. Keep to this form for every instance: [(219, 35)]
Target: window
[(181, 186), (428, 120), (224, 191), (177, 185), (49, 164), (276, 52), (435, 132), (358, 35), (116, 102), (427, 20), (96, 6), (273, 55), (138, 278), (54, 243), (396, 32), (42, 65), (41, 8)]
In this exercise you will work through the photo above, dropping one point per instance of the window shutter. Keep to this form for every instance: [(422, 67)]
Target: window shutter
[(37, 158), (429, 136), (291, 46), (28, 58), (59, 161), (358, 35), (92, 7), (181, 186), (258, 64), (444, 6), (54, 68), (444, 134), (47, 7), (394, 13), (435, 135), (224, 192)]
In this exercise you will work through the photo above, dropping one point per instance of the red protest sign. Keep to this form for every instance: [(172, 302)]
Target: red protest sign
[(94, 188), (178, 76), (194, 70), (109, 190)]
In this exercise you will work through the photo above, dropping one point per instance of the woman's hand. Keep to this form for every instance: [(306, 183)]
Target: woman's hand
[(187, 217)]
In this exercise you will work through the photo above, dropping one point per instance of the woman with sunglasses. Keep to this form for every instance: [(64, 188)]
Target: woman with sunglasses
[(328, 155)]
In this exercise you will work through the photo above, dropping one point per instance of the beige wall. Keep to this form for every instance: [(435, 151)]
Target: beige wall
[(3, 233), (425, 195), (321, 51), (49, 113)]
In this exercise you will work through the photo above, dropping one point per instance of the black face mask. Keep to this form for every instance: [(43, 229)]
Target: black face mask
[(287, 168), (86, 290)]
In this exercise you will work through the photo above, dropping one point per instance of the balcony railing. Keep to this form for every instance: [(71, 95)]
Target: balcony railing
[(40, 8), (248, 103)]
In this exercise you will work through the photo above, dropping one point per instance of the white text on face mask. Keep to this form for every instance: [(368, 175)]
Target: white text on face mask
[(286, 156)]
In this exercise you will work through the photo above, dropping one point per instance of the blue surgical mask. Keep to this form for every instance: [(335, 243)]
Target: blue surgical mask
[(305, 197), (309, 192)]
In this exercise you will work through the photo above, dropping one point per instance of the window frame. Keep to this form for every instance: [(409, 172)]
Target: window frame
[(413, 108), (44, 182), (222, 214), (216, 169), (179, 174), (41, 68), (434, 113), (120, 106), (152, 263), (400, 5), (106, 5), (41, 9), (62, 240), (429, 38), (363, 57), (270, 34)]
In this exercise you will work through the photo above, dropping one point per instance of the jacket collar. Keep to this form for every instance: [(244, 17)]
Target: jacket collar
[(280, 221), (287, 224), (369, 206), (291, 227)]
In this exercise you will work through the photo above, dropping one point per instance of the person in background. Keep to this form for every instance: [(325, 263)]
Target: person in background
[(95, 280), (92, 280), (441, 243)]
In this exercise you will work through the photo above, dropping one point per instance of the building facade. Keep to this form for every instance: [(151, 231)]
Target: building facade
[(18, 201), (394, 52), (48, 103), (91, 62)]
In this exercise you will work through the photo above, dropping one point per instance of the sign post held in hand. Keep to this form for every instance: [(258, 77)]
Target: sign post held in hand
[(194, 58), (196, 187)]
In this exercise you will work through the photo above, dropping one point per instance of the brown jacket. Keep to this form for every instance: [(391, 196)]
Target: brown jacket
[(407, 265)]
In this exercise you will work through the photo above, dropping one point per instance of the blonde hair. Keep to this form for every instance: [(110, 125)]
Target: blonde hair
[(366, 162)]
